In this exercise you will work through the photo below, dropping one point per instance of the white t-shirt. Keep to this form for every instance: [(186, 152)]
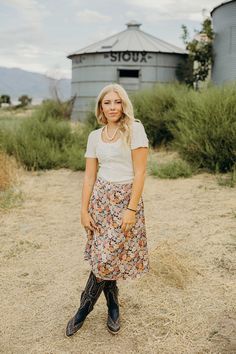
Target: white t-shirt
[(115, 159)]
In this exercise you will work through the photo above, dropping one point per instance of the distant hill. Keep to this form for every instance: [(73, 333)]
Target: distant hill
[(16, 82)]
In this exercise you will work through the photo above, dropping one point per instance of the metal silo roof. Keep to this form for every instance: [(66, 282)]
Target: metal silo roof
[(223, 3), (131, 39)]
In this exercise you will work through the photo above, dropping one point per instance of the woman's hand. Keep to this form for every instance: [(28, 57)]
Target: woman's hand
[(87, 221), (128, 220)]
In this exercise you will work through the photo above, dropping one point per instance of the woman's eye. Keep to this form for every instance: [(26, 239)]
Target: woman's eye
[(117, 102)]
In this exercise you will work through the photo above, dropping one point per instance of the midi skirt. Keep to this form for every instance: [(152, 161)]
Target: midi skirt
[(112, 253)]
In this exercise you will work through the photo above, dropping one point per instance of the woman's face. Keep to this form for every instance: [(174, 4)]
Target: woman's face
[(111, 106)]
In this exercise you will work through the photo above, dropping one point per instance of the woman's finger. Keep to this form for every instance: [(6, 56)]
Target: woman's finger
[(93, 223), (88, 227), (127, 228), (123, 226)]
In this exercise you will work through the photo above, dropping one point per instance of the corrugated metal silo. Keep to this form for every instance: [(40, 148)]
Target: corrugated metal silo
[(131, 58), (224, 45)]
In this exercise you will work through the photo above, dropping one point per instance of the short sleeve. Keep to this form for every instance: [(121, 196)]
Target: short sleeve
[(139, 137), (91, 146)]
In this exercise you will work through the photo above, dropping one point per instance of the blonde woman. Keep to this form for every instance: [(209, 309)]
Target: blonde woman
[(112, 207)]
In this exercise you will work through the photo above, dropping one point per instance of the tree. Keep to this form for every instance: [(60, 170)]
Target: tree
[(24, 100), (200, 55), (5, 99)]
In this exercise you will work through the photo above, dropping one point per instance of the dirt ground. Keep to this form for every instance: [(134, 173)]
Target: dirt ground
[(185, 304)]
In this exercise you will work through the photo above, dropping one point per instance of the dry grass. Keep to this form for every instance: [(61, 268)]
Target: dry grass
[(184, 305), (171, 267), (9, 179), (7, 172)]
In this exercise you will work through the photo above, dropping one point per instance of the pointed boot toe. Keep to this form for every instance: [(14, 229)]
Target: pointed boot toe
[(88, 299), (73, 327), (113, 326)]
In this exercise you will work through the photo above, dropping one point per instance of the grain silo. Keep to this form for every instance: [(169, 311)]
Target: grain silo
[(131, 58), (224, 45)]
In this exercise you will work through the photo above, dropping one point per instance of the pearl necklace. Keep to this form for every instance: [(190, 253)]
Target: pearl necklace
[(107, 136)]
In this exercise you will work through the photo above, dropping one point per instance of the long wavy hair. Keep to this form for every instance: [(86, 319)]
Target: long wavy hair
[(127, 116)]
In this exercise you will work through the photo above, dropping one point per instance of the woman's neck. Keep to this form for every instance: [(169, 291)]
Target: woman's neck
[(112, 125)]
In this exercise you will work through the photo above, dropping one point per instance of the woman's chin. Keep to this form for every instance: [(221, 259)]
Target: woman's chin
[(113, 119)]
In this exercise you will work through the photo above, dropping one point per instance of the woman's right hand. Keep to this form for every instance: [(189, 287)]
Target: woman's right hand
[(87, 221)]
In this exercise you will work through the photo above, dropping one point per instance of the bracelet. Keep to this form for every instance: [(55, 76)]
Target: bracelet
[(131, 209)]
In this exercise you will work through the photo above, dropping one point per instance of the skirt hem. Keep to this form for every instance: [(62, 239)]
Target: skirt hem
[(120, 276)]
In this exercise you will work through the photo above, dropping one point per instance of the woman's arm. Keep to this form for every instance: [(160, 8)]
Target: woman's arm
[(89, 180), (139, 157)]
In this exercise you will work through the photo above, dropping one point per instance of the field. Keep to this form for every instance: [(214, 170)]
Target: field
[(185, 305)]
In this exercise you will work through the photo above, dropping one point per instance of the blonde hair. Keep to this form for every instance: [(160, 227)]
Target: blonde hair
[(127, 116)]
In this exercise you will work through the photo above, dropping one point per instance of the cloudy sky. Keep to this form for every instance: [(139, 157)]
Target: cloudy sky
[(37, 35)]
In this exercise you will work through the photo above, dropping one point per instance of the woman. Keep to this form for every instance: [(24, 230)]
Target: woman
[(112, 207)]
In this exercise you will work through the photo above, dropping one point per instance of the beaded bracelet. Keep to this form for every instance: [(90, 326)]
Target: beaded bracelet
[(131, 209)]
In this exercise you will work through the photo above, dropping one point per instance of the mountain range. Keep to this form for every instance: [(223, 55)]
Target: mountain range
[(16, 82)]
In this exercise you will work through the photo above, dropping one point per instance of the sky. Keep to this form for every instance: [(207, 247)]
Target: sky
[(38, 35)]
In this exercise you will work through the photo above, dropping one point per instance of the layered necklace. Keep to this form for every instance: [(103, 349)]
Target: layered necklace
[(107, 135)]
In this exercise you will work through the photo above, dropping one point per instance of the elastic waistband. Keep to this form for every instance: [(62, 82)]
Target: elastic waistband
[(102, 180)]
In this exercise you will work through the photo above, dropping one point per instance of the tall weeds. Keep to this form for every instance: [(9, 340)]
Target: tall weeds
[(46, 140), (155, 107), (201, 126), (205, 128)]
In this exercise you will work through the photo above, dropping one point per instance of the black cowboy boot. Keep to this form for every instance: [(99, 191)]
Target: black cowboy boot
[(111, 293), (88, 299)]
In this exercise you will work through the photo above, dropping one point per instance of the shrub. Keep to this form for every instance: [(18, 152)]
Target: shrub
[(172, 169), (37, 144), (91, 121), (205, 128), (155, 107), (45, 140), (55, 109), (76, 150)]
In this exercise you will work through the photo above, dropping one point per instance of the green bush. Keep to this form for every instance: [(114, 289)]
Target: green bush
[(41, 145), (172, 170), (205, 128), (155, 107), (75, 158), (46, 140), (7, 140), (91, 121), (76, 150), (54, 109), (38, 145)]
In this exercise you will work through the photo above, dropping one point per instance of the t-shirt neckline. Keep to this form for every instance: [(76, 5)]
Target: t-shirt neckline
[(104, 142)]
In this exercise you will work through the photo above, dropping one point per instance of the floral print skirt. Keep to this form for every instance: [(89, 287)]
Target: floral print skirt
[(112, 253)]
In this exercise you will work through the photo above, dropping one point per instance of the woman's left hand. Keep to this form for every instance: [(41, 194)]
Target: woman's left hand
[(128, 220)]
